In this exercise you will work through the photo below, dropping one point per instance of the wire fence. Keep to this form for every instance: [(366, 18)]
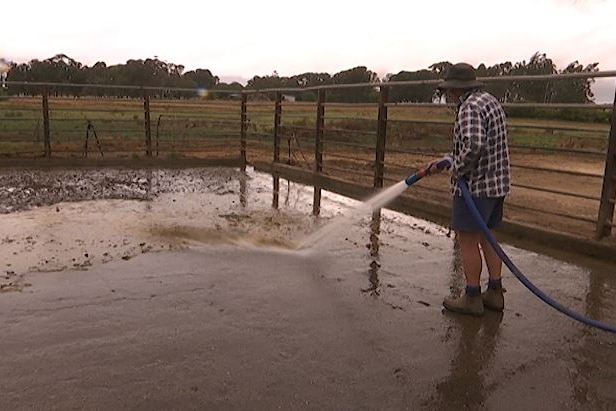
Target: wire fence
[(564, 173)]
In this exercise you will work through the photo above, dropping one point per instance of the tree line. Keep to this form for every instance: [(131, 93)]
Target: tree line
[(168, 77)]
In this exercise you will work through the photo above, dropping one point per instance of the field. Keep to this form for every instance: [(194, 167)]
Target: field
[(557, 165)]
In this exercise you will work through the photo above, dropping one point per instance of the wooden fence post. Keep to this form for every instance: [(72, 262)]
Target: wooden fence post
[(244, 125), (320, 125), (277, 121), (605, 220), (381, 133), (379, 168), (147, 124), (318, 149), (276, 190), (46, 129)]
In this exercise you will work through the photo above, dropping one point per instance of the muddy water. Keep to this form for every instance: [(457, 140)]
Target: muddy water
[(79, 222), (57, 220)]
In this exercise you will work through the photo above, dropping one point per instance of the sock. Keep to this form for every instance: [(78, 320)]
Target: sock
[(495, 283), (473, 290)]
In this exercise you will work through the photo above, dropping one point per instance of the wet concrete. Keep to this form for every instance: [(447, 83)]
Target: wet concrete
[(184, 291)]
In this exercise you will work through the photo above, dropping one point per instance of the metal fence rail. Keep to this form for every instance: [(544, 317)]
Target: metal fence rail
[(368, 144)]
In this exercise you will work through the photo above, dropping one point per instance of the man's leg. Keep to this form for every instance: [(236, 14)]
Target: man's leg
[(470, 302), (493, 296), (493, 261), (471, 256)]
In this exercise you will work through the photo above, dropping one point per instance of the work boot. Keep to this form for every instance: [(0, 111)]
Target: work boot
[(464, 304), (493, 299)]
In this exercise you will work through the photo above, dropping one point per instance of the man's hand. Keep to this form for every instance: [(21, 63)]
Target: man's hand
[(434, 168), (440, 165)]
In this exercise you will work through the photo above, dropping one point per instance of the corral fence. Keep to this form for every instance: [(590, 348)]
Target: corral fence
[(564, 172)]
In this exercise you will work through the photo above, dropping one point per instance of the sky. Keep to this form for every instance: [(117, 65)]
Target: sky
[(237, 40)]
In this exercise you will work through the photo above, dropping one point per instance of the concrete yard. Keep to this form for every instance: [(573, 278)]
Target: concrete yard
[(184, 289)]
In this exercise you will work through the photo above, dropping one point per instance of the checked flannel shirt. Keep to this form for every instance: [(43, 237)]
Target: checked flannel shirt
[(480, 148)]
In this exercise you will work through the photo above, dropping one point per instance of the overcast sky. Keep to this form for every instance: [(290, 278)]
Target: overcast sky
[(237, 40)]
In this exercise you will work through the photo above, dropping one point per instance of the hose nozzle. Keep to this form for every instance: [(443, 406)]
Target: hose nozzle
[(441, 164)]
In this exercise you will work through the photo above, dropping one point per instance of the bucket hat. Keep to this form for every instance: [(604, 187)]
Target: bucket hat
[(461, 76)]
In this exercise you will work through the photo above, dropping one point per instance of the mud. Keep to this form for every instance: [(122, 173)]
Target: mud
[(55, 220), (184, 289)]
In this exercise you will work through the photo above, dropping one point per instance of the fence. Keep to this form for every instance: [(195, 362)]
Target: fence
[(116, 127), (564, 173), (564, 176)]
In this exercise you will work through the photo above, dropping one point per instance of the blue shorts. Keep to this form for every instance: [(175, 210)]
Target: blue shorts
[(491, 209)]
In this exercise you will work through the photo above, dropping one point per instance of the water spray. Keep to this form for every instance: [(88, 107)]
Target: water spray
[(372, 204)]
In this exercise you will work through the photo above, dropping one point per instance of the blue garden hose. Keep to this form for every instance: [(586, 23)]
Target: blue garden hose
[(542, 296)]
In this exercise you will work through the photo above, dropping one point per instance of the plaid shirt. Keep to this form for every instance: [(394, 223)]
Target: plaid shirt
[(480, 149)]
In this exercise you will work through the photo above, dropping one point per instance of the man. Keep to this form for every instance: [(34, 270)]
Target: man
[(481, 156)]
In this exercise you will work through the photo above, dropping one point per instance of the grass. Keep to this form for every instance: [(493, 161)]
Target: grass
[(121, 122), (17, 147)]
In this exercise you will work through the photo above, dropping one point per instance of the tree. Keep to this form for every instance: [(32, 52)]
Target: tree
[(267, 82), (440, 68), (57, 69), (355, 75), (575, 90), (97, 74), (538, 91), (306, 80), (156, 73), (310, 80), (202, 79), (413, 93), (229, 90), (500, 89)]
